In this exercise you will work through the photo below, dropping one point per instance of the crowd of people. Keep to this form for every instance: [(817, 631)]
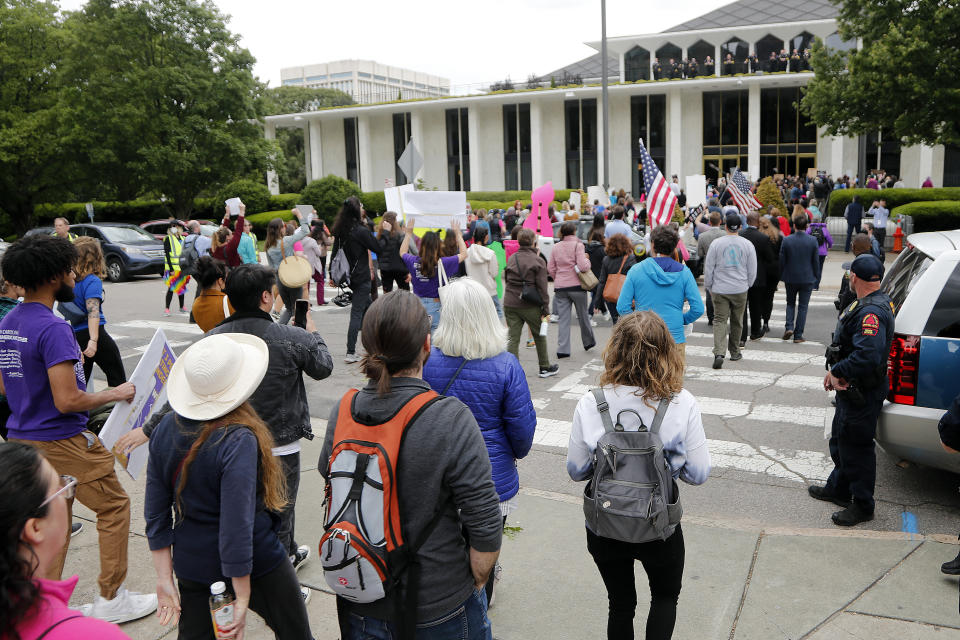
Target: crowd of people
[(674, 68), (440, 355)]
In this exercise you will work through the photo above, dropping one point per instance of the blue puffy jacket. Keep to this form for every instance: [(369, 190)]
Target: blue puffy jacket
[(496, 391)]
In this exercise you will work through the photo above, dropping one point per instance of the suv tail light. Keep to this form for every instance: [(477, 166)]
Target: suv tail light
[(903, 368)]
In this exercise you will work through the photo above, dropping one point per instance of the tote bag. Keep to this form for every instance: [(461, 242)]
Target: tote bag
[(611, 290)]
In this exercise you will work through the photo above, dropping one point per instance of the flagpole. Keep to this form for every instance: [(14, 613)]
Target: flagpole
[(603, 95)]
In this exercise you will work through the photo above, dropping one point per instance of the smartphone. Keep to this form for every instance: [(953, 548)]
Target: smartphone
[(300, 313)]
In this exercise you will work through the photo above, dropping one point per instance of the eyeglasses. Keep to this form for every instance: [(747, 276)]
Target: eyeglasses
[(68, 487)]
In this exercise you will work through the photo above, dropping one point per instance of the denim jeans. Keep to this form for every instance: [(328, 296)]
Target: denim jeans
[(496, 304), (467, 622), (433, 310), (792, 310)]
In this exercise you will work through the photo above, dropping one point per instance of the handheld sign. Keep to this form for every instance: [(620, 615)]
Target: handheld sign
[(233, 206), (539, 218)]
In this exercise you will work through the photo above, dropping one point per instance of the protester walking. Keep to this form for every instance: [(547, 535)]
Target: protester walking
[(772, 231), (211, 306), (90, 324), (48, 401), (663, 285), (34, 521), (819, 232), (443, 485), (756, 294), (526, 299), (703, 245), (642, 384), (425, 269), (854, 216), (567, 260), (483, 266), (597, 250), (799, 270), (392, 267), (175, 280), (617, 262), (211, 483), (278, 246), (730, 270), (469, 361), (355, 240)]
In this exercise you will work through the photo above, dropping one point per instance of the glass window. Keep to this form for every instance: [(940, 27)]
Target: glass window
[(668, 51), (835, 42), (765, 46), (636, 64), (711, 118), (342, 74), (401, 136), (380, 78), (699, 51), (944, 322), (290, 81), (123, 235), (647, 121), (904, 273), (883, 152), (738, 49), (951, 165), (801, 41), (363, 74), (788, 139), (352, 146), (407, 83), (730, 118), (458, 150)]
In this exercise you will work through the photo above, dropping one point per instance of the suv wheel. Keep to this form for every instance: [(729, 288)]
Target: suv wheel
[(115, 270)]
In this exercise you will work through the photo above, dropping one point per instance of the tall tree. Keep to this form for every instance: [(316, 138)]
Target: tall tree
[(903, 80), (162, 99), (291, 173), (30, 150)]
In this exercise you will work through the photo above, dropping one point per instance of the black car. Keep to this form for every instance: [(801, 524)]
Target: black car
[(127, 249)]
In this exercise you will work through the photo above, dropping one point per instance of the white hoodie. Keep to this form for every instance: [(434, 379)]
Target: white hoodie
[(483, 267)]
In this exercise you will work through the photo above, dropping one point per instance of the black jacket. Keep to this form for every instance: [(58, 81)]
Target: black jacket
[(388, 255), (359, 241), (765, 256), (281, 399)]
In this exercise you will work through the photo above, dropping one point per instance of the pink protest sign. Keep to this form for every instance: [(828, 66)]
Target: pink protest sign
[(539, 218)]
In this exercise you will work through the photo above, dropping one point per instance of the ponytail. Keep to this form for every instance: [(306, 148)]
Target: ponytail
[(393, 333)]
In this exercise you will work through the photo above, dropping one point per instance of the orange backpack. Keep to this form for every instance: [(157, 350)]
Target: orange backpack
[(363, 550)]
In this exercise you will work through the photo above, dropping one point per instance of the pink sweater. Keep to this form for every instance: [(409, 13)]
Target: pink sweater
[(565, 254), (51, 606)]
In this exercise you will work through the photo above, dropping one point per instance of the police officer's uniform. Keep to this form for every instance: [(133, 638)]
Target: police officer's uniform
[(861, 344)]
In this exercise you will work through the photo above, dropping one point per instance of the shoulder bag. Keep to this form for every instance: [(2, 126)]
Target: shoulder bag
[(443, 280), (611, 290), (528, 292), (588, 281)]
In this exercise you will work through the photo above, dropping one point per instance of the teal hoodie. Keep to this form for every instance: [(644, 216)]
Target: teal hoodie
[(649, 288)]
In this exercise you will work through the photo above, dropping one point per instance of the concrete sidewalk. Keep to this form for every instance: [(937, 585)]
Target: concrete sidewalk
[(742, 581)]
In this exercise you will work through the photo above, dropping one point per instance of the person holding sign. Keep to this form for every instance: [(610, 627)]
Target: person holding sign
[(425, 268), (42, 376)]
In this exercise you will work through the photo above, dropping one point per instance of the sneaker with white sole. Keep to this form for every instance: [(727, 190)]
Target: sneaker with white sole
[(300, 557), (546, 372), (76, 528), (305, 594), (124, 607), (351, 358), (554, 318)]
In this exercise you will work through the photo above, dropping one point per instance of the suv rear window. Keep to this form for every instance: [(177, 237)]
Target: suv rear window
[(944, 320), (904, 273)]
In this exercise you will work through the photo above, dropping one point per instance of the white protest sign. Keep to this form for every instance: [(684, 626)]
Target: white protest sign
[(306, 212), (394, 198), (150, 379), (435, 208), (575, 200), (233, 206), (599, 194), (696, 191)]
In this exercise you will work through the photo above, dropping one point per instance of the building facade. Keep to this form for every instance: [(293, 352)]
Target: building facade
[(705, 124), (367, 81)]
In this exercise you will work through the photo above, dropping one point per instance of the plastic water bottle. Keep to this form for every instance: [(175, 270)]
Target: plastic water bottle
[(221, 607)]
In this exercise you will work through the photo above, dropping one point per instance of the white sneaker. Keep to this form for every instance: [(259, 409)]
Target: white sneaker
[(606, 316), (351, 358), (305, 594), (554, 318), (300, 557), (124, 607)]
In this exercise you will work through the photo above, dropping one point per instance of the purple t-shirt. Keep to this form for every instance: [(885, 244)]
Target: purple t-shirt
[(427, 287), (32, 340)]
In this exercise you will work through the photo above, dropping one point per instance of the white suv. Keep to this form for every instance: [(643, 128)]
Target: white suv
[(924, 361)]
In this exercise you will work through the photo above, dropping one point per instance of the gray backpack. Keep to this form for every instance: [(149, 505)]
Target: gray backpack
[(632, 496)]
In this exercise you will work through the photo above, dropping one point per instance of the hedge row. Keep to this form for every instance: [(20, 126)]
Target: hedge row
[(840, 198), (931, 215)]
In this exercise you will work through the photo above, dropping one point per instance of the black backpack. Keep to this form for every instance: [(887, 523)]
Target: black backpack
[(817, 232), (189, 256)]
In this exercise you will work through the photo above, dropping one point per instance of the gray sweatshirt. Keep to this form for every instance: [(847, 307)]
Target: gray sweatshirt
[(731, 265), (443, 465)]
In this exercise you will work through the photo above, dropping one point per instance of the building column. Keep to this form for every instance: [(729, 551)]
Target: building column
[(365, 153), (753, 130), (548, 142), (621, 172), (270, 133), (315, 149), (674, 134), (717, 62), (623, 67), (925, 166), (307, 152)]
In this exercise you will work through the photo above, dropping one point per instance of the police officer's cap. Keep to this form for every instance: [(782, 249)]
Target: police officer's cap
[(733, 221), (867, 267)]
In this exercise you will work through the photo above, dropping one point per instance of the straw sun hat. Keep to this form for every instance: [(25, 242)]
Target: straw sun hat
[(216, 375)]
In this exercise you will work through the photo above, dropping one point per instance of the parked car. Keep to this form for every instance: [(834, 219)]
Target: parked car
[(924, 363), (127, 249), (158, 228)]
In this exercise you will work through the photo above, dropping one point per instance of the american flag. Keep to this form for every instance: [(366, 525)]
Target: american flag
[(739, 188), (660, 198)]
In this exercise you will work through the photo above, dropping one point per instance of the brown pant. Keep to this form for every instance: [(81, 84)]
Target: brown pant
[(98, 489)]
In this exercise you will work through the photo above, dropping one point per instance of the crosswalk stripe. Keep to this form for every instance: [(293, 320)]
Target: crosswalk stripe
[(769, 339), (760, 355), (166, 325), (753, 378)]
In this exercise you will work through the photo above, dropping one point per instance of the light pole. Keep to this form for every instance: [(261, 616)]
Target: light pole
[(605, 104)]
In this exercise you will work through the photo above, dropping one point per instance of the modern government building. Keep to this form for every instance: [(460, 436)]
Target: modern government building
[(702, 125)]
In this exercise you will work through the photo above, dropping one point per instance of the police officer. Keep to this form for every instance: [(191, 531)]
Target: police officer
[(857, 370)]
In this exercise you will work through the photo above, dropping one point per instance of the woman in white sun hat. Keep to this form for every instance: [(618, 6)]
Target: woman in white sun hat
[(211, 463)]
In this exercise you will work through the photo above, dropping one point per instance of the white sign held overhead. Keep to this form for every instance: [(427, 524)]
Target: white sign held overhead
[(696, 191), (597, 194), (435, 208), (575, 200), (394, 199)]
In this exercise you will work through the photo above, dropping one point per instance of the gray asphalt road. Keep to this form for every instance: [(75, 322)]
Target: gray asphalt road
[(764, 415)]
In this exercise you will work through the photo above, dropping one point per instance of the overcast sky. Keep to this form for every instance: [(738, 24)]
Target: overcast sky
[(468, 42)]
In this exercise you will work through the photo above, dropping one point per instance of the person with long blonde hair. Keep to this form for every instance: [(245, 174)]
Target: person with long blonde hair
[(90, 328), (642, 366), (211, 484)]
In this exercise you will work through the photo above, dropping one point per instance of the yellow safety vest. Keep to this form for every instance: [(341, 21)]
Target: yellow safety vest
[(176, 247), (70, 236)]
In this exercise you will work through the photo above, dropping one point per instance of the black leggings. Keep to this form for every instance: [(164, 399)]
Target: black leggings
[(275, 596), (388, 277), (107, 357), (663, 562), (170, 297)]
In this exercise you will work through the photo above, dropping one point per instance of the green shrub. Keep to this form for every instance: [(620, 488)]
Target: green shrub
[(374, 203), (768, 194), (206, 209), (261, 220), (253, 194), (284, 201), (840, 198), (930, 215), (509, 196), (327, 195), (134, 211)]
